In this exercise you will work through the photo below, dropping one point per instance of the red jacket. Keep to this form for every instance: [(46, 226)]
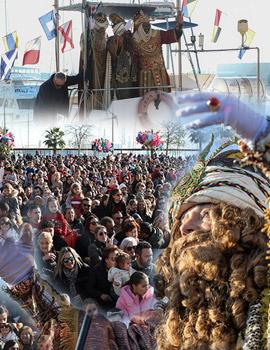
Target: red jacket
[(60, 228), (121, 176)]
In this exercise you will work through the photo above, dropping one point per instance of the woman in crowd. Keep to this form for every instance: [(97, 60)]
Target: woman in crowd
[(86, 185), (67, 184), (128, 245), (87, 238), (98, 286), (143, 211), (7, 332), (56, 182), (131, 229), (101, 210), (116, 203), (71, 275), (95, 250), (26, 338), (6, 229), (73, 222), (46, 256)]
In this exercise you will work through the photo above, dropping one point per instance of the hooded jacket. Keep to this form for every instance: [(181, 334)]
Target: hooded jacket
[(130, 303)]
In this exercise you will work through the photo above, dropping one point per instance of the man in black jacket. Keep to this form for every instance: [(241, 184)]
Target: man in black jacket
[(52, 98)]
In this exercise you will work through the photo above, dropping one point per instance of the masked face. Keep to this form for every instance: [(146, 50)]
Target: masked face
[(146, 27)]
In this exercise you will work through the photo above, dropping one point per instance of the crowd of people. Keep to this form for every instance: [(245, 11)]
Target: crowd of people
[(97, 226)]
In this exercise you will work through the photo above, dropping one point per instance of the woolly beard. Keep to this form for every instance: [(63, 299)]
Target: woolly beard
[(199, 263)]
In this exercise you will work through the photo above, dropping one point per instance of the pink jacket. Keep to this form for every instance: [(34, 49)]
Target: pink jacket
[(130, 303)]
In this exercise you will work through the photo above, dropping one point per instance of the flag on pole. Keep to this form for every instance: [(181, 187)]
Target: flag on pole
[(66, 36), (7, 62), (188, 7), (217, 28), (32, 51), (248, 37), (10, 41), (48, 24), (94, 10)]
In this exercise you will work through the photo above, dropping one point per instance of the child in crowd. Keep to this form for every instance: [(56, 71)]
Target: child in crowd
[(56, 181), (9, 196), (91, 307), (10, 175), (53, 214), (47, 193), (74, 198), (136, 297), (120, 273), (140, 188), (132, 207)]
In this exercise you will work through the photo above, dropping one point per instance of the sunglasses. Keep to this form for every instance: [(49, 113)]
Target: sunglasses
[(119, 195), (94, 223), (4, 326), (4, 223), (66, 260), (86, 205), (129, 249), (102, 233)]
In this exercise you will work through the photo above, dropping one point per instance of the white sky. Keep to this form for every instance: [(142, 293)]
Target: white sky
[(23, 17)]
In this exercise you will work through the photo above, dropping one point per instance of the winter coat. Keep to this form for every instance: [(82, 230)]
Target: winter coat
[(156, 239), (98, 284), (95, 252), (62, 284), (120, 276), (83, 243), (130, 303), (51, 101), (60, 228)]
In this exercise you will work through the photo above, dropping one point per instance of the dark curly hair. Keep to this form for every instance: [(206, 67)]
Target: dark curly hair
[(210, 278)]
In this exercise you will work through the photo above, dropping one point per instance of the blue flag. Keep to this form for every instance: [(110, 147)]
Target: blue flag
[(48, 24), (7, 62)]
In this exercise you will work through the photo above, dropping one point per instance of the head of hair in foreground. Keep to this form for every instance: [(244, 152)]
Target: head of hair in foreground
[(210, 279)]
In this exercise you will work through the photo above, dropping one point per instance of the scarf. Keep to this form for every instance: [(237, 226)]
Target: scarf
[(71, 276)]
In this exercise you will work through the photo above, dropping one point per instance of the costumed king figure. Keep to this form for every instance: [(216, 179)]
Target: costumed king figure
[(147, 48), (121, 59), (96, 60)]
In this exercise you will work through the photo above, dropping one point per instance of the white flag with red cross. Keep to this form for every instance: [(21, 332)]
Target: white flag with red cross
[(66, 36)]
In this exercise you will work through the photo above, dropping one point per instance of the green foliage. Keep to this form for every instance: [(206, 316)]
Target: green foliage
[(54, 139)]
